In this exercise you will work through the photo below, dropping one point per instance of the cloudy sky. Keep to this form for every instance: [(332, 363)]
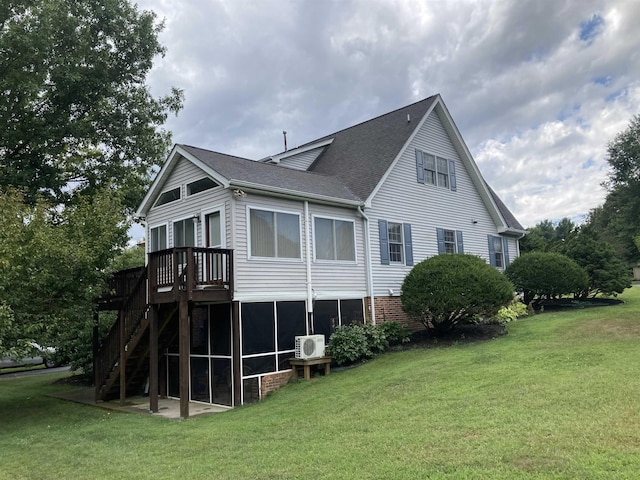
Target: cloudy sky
[(537, 88)]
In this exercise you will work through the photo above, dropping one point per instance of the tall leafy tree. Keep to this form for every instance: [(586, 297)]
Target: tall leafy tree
[(619, 218), (81, 134), (548, 236), (75, 113)]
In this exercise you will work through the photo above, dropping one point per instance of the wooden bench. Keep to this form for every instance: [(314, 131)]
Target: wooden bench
[(306, 363)]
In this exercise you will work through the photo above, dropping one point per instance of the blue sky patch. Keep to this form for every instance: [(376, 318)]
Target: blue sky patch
[(591, 29), (587, 164), (605, 81)]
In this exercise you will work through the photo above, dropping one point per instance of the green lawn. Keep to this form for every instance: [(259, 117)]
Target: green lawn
[(559, 397)]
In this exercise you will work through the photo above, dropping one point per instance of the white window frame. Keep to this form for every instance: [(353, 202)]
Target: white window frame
[(250, 255), (498, 255), (355, 248), (437, 171), (186, 187), (181, 219), (454, 242), (178, 187), (166, 239), (223, 228), (402, 243)]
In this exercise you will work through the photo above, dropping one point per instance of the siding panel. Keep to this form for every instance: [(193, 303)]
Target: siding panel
[(427, 207)]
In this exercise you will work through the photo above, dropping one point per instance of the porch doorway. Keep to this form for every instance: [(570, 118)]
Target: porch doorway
[(210, 358)]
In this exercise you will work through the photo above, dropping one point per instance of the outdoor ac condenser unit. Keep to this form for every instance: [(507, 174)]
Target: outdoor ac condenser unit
[(310, 346)]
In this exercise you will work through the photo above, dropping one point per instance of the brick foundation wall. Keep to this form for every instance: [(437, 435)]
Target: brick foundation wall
[(389, 309), (274, 381)]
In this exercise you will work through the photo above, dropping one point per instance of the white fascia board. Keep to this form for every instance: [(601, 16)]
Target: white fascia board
[(296, 151), (291, 194), (163, 175), (419, 125), (157, 183)]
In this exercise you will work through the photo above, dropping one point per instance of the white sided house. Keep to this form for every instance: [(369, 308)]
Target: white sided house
[(243, 256)]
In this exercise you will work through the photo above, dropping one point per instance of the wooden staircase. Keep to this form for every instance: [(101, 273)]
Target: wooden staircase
[(128, 339)]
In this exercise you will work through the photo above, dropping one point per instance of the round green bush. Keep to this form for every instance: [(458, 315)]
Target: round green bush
[(447, 290), (546, 275)]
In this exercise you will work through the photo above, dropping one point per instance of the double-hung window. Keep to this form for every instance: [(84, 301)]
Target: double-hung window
[(396, 246), (274, 234), (184, 233), (158, 238), (334, 239), (449, 241), (434, 170), (498, 251)]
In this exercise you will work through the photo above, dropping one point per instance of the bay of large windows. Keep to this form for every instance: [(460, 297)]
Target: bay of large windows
[(334, 239), (274, 234)]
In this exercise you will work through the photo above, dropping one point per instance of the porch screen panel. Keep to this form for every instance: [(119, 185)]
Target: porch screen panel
[(258, 328), (262, 233), (291, 322), (221, 384), (199, 330), (173, 376), (221, 329), (200, 379), (351, 312), (325, 317)]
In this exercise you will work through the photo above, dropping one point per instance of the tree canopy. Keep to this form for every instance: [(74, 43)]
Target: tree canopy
[(75, 112), (81, 136)]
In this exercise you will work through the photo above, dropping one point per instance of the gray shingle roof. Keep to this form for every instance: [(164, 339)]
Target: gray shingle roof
[(360, 155), (242, 170), (348, 169), (511, 221)]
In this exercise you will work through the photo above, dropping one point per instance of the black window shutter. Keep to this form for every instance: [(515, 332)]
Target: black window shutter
[(452, 175), (440, 235), (408, 244), (384, 242), (419, 166), (459, 241)]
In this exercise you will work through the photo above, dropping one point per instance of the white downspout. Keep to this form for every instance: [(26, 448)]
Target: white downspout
[(307, 229), (368, 265)]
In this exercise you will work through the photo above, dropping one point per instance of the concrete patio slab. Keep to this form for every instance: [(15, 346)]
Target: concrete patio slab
[(167, 407)]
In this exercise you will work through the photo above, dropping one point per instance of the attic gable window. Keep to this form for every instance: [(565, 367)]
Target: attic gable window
[(200, 186), (434, 170), (168, 196)]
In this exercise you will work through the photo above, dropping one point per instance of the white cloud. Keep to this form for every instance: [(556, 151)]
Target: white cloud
[(534, 102)]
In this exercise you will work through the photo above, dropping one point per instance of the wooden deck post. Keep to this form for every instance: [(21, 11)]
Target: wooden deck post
[(184, 355), (122, 363), (153, 359)]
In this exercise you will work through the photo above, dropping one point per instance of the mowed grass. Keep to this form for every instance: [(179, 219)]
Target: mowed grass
[(558, 397)]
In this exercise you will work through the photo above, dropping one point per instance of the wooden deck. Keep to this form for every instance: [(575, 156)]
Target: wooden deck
[(202, 274)]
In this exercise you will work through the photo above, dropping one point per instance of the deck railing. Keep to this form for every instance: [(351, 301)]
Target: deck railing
[(189, 268)]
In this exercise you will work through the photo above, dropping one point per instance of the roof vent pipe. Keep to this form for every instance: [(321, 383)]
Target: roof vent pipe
[(284, 132), (408, 118)]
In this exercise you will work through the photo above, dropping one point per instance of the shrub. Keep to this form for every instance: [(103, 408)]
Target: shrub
[(353, 343), (448, 290), (608, 275), (514, 310), (546, 275), (395, 332)]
